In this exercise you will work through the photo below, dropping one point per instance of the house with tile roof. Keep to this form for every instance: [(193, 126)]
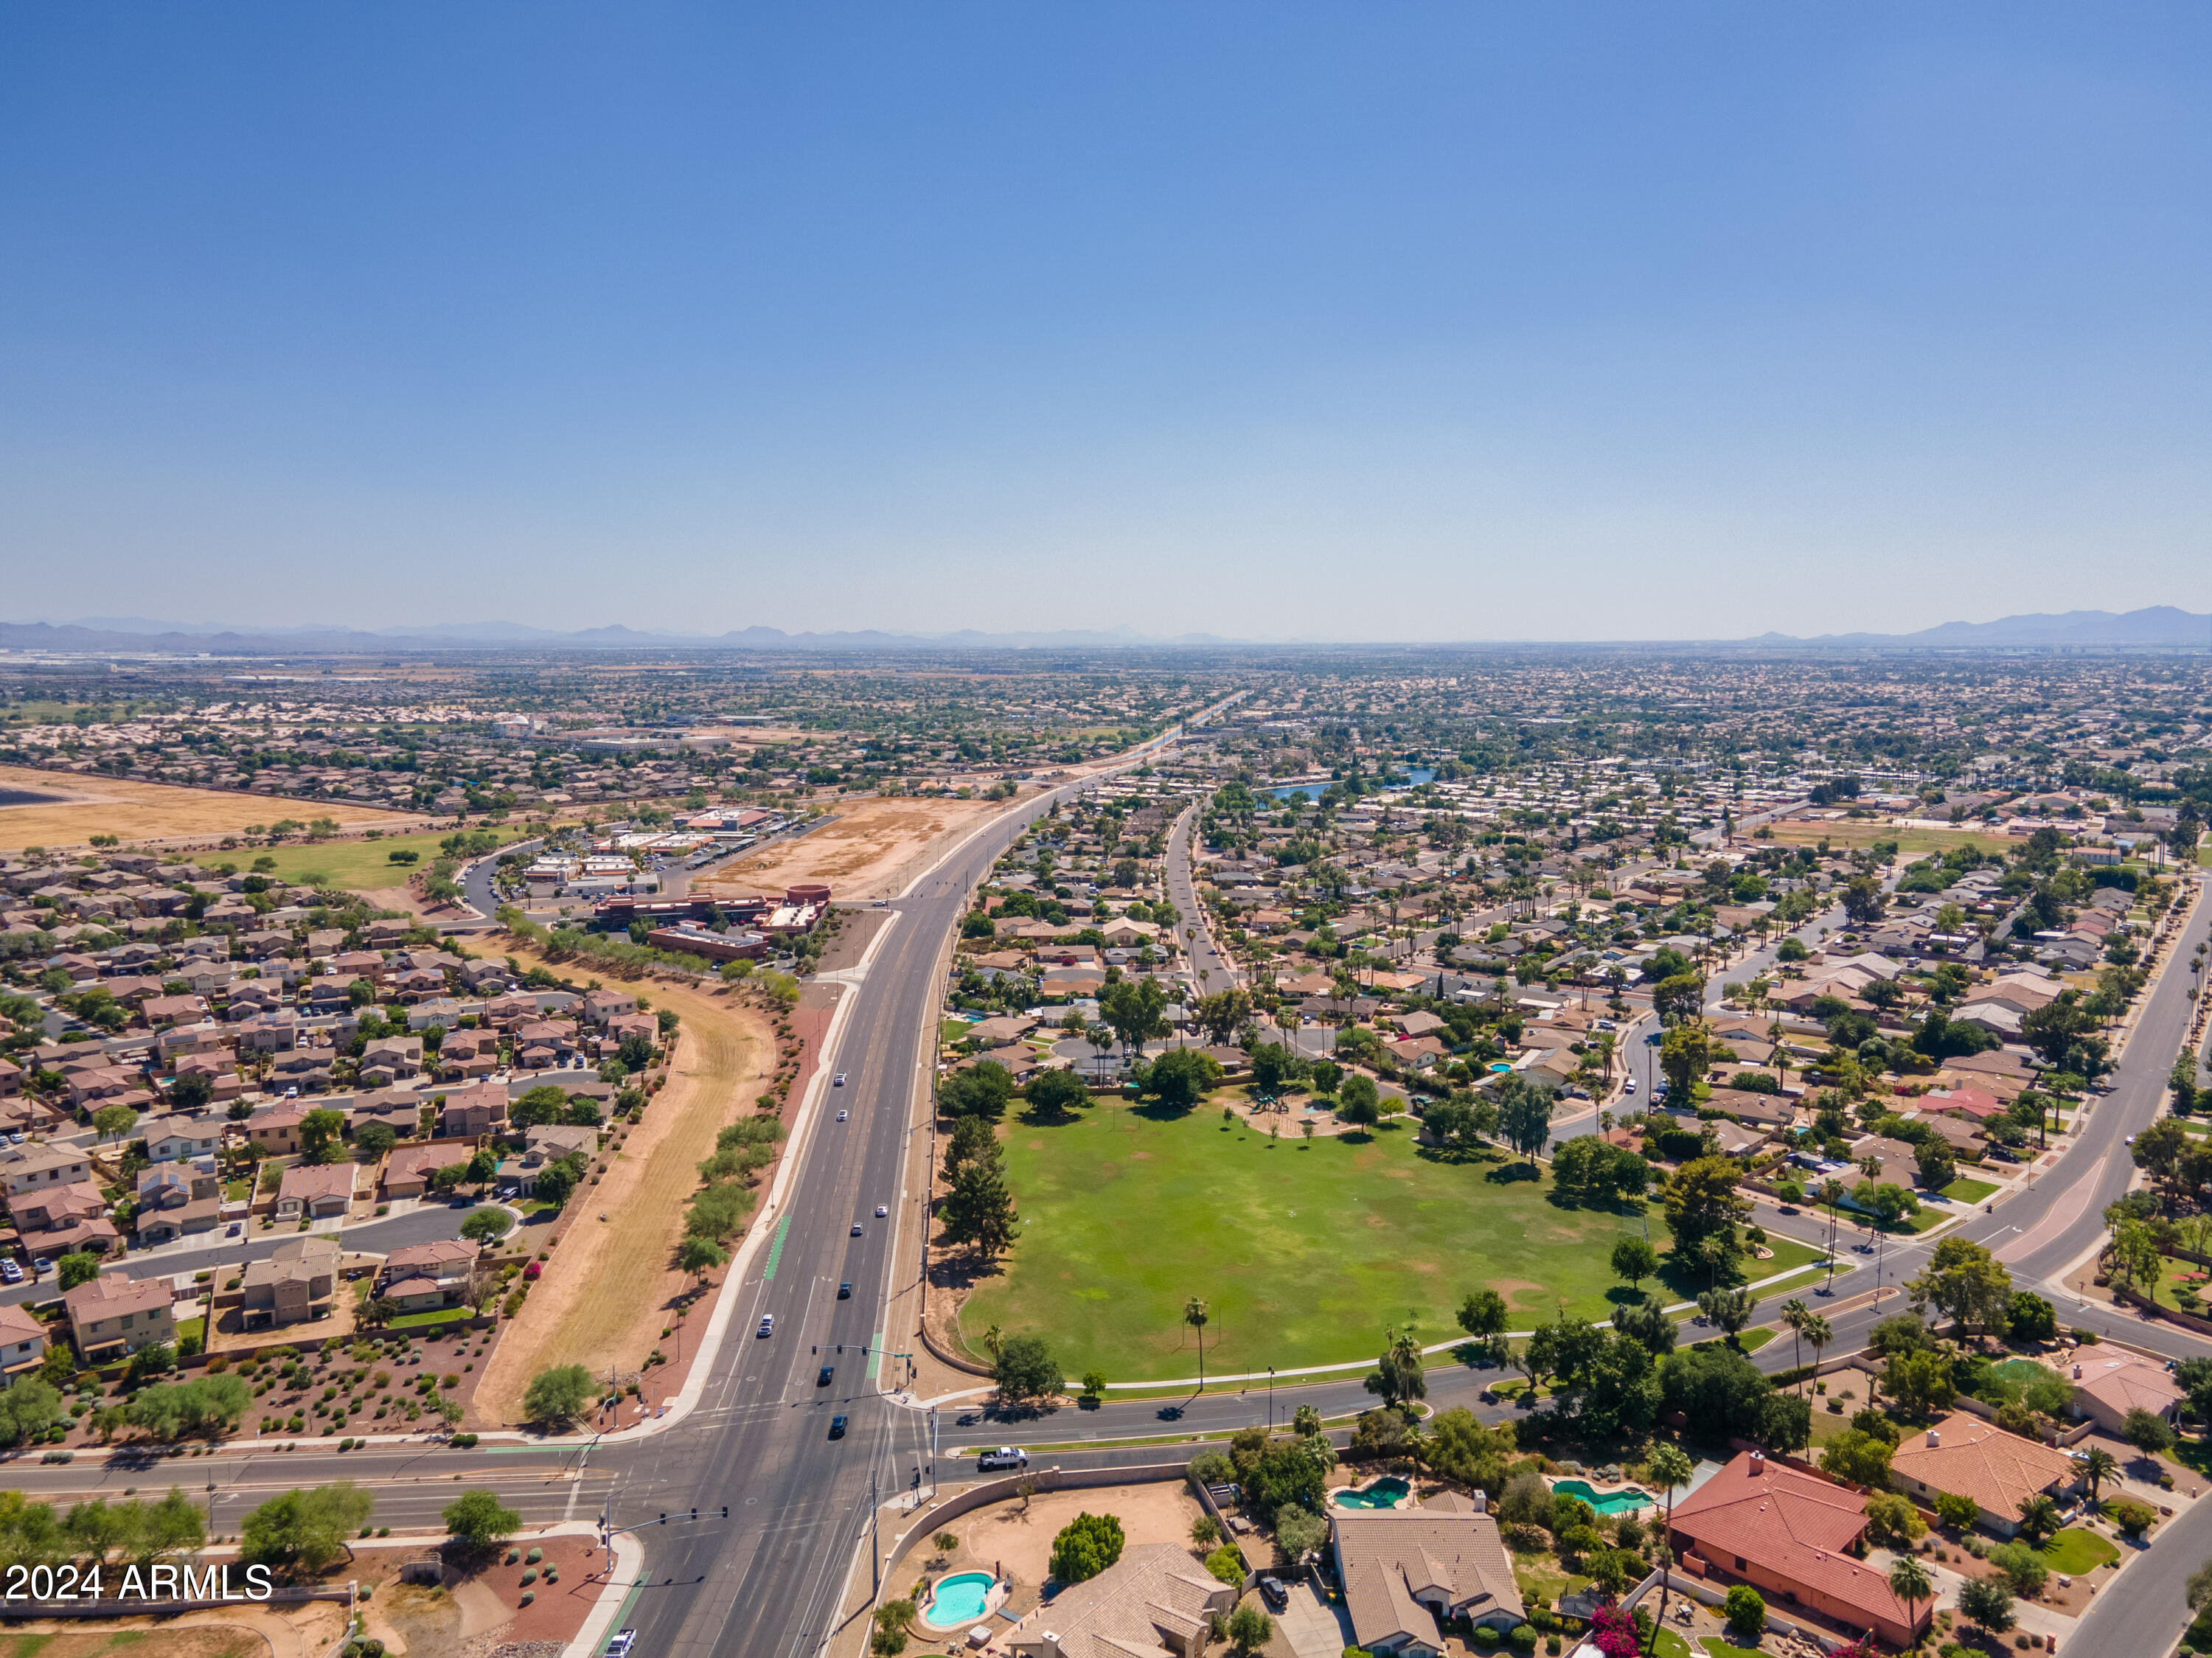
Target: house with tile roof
[(1154, 1602), (22, 1342), (1968, 1457), (112, 1315), (1789, 1534), (316, 1192), (1407, 1570), (2109, 1383)]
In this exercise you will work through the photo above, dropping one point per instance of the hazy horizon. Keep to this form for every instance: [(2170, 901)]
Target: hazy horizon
[(1276, 323)]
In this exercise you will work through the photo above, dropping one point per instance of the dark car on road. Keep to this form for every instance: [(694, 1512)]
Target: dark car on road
[(844, 1292), (828, 1370), (837, 1427)]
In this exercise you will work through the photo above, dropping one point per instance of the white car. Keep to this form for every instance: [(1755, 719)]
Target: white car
[(1629, 1087), (620, 1646), (882, 1210), (840, 1081), (840, 1116)]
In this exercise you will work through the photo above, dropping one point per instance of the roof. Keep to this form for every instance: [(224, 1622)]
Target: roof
[(1796, 1525), (310, 1181), (412, 1286), (2125, 1381), (1968, 1457), (1153, 1591), (438, 1253), (1388, 1556), (16, 1325), (111, 1294), (295, 1259)]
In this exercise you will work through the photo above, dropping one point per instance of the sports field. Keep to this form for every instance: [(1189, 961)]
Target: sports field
[(358, 865), (1305, 1251)]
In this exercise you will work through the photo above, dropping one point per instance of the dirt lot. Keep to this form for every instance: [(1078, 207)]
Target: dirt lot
[(575, 1316), (1021, 1544), (873, 849), (86, 806)]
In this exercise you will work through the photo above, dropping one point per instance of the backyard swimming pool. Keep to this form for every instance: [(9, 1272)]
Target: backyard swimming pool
[(1383, 1494), (1616, 1503), (959, 1599)]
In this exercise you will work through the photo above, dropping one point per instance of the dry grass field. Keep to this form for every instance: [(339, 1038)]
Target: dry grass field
[(67, 810), (1854, 832), (873, 849), (611, 1287)]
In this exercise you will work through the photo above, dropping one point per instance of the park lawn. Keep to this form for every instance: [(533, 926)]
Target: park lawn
[(1305, 1251), (1963, 1190), (357, 865), (2076, 1551)]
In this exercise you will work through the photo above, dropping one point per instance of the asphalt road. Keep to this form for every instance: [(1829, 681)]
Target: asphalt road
[(1209, 973)]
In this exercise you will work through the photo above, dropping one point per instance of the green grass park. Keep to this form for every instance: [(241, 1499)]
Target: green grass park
[(1305, 1251), (355, 866)]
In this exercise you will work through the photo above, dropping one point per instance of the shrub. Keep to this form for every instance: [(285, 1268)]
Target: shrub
[(2132, 1517), (1522, 1637), (2022, 1568), (1225, 1563), (1746, 1612), (1960, 1513), (1087, 1545)]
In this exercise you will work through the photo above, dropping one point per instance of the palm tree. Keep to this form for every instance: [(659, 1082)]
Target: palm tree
[(1195, 1313), (1794, 1314), (991, 1338), (1909, 1582), (2098, 1465), (1669, 1466), (2039, 1517), (1818, 1334)]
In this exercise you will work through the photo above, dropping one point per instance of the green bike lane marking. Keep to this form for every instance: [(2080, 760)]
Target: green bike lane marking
[(775, 1248), (875, 1354)]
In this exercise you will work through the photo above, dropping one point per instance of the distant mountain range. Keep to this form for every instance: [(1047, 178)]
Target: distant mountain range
[(2160, 626)]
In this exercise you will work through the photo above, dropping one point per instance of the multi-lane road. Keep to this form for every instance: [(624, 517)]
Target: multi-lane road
[(773, 1579)]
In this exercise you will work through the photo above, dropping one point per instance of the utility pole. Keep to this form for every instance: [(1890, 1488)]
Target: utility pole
[(875, 1549)]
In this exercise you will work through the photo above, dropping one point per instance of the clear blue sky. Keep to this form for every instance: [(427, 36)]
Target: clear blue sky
[(1364, 322)]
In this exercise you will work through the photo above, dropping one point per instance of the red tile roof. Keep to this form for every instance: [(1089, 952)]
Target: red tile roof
[(1796, 1525)]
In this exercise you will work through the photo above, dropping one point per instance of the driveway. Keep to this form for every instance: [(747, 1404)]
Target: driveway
[(1313, 1627)]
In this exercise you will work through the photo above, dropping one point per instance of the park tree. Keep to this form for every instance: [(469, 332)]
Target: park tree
[(699, 1256), (1524, 1116), (1635, 1259), (1701, 1201), (477, 1520), (1056, 1093), (1483, 1313), (558, 1395), (1358, 1102), (1183, 1076), (1025, 1370), (1646, 1320), (972, 1141), (978, 1210), (981, 1090)]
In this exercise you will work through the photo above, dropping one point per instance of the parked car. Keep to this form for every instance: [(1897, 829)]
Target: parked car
[(10, 1272), (1273, 1594)]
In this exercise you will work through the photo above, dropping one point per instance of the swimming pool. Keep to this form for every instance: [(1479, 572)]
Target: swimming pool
[(1615, 1503), (960, 1599), (1383, 1494)]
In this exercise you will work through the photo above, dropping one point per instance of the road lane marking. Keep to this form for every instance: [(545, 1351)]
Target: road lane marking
[(775, 1248)]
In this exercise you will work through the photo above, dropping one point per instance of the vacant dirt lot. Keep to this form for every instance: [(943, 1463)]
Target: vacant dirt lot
[(81, 807), (609, 1288), (873, 848)]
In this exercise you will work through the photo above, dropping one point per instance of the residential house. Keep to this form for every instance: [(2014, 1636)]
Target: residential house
[(33, 1167), (1405, 1571), (103, 1084), (1790, 1534), (22, 1343), (315, 1191), (388, 1059), (176, 1202), (468, 1054), (64, 1220), (168, 1138), (2109, 1383), (547, 1143), (407, 1171), (1968, 1457), (600, 1005), (1154, 1600), (112, 1315), (220, 1070), (296, 1282), (472, 1111), (424, 1276), (276, 1132)]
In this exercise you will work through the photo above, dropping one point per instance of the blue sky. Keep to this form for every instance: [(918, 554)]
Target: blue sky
[(1396, 322)]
